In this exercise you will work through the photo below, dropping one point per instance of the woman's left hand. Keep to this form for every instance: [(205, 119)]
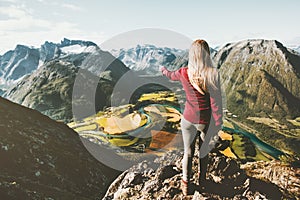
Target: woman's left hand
[(162, 68)]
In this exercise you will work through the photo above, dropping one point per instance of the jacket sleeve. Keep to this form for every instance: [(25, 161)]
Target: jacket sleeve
[(172, 75), (216, 105)]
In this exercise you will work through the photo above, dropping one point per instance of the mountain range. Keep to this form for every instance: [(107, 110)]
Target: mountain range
[(243, 66), (23, 60), (260, 79), (146, 59)]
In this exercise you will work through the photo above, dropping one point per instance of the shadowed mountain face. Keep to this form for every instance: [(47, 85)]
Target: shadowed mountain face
[(260, 76), (49, 89), (43, 159)]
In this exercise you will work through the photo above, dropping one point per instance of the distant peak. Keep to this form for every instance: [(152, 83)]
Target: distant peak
[(67, 42), (21, 47)]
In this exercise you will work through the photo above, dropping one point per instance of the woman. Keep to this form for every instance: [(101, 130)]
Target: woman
[(200, 81)]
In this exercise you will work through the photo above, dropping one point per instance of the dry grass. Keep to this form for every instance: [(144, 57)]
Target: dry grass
[(225, 136), (119, 125), (227, 152)]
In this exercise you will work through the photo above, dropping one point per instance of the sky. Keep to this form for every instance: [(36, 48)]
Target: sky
[(32, 22)]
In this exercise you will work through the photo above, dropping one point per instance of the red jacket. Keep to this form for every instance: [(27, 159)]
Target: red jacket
[(198, 108)]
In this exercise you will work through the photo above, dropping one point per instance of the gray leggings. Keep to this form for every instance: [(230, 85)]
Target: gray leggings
[(190, 132)]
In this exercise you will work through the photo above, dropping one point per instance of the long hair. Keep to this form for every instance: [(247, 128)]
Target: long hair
[(201, 71)]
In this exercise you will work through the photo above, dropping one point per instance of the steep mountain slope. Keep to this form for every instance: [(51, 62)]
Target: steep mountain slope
[(18, 62), (43, 159), (49, 89), (260, 76)]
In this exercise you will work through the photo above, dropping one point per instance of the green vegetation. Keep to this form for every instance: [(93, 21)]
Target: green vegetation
[(280, 138), (237, 146)]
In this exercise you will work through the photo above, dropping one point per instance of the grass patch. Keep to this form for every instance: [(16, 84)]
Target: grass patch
[(90, 127), (237, 146), (159, 96), (227, 124)]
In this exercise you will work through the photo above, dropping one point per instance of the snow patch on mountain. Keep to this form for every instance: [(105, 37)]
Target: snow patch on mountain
[(76, 49), (297, 49)]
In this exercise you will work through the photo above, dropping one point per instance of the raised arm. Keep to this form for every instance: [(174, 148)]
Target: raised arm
[(173, 75)]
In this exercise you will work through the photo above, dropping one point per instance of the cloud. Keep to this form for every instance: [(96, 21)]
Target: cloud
[(22, 27), (21, 19), (9, 1), (13, 12), (71, 7)]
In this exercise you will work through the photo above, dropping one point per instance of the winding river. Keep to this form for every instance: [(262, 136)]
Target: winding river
[(138, 132), (263, 146), (275, 153)]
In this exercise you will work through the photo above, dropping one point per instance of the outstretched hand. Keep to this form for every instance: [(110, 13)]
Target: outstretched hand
[(162, 69)]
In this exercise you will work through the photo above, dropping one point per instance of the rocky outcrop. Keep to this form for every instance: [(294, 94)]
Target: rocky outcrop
[(44, 159), (282, 175), (225, 179)]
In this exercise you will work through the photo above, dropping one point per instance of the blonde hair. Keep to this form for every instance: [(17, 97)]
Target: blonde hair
[(201, 71)]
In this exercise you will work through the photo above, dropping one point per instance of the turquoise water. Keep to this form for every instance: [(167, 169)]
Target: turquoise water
[(266, 148)]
